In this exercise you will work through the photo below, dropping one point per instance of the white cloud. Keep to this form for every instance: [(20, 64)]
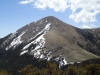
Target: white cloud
[(26, 1), (87, 26), (57, 5), (88, 10), (84, 11), (84, 16)]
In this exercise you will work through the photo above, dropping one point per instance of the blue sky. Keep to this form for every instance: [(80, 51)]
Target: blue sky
[(15, 14)]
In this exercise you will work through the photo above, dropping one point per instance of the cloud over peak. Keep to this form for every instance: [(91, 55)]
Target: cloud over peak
[(84, 11), (57, 5)]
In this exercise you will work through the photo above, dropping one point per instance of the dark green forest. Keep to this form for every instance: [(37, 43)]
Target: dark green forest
[(13, 64), (89, 67)]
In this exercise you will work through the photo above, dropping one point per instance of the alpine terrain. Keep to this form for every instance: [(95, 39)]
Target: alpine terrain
[(52, 40)]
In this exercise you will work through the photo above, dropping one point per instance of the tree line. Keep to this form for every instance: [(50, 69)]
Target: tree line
[(52, 68)]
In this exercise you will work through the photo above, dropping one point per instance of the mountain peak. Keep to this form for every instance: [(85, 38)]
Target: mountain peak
[(53, 17), (50, 38)]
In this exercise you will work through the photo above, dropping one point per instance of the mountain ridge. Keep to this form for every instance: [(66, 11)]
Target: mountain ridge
[(50, 38)]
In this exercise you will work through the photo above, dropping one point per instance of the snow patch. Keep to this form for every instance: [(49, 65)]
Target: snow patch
[(40, 42), (16, 41), (93, 30), (48, 55), (9, 39), (61, 60), (78, 62), (24, 52), (70, 62), (35, 21), (41, 56), (46, 21), (28, 24)]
